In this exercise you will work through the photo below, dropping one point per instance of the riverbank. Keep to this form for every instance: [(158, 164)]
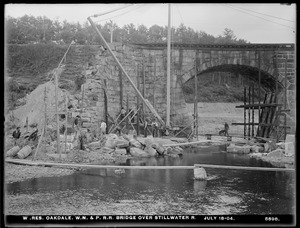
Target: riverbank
[(14, 172)]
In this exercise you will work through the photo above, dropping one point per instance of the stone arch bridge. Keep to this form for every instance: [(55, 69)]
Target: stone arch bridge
[(146, 64)]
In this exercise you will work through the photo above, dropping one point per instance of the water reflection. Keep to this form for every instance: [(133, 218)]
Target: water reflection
[(176, 191)]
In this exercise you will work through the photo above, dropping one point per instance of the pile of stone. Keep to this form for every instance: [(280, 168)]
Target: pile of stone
[(258, 148), (135, 146)]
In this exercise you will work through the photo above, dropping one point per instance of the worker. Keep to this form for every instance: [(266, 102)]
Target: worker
[(123, 113), (154, 128), (226, 127), (75, 125), (16, 135), (147, 121), (82, 140), (103, 128)]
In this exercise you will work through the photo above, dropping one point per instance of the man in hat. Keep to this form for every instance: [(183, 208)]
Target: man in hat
[(16, 135)]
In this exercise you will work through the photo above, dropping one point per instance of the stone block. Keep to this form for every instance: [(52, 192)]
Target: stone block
[(289, 149), (232, 148), (120, 151), (276, 153), (199, 173)]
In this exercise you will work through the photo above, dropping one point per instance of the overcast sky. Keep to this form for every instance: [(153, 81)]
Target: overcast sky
[(256, 23)]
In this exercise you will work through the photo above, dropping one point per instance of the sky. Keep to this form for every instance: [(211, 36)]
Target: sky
[(255, 23)]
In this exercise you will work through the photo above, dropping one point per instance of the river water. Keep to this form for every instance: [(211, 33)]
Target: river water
[(168, 191)]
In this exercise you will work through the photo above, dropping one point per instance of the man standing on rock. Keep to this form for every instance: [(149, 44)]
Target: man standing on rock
[(16, 135), (76, 124), (103, 128)]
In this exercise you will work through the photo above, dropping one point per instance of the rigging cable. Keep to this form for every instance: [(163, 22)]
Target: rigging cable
[(261, 13), (259, 17), (138, 7)]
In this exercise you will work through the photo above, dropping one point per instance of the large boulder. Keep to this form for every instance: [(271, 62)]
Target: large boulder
[(94, 145), (150, 150), (232, 148), (13, 151), (119, 151), (290, 145), (173, 151), (134, 143), (24, 152), (111, 141), (276, 153), (137, 152), (159, 148), (121, 143)]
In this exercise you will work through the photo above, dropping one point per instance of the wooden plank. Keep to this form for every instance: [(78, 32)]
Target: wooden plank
[(105, 106), (244, 123), (256, 106), (15, 161), (245, 93), (262, 113), (138, 101), (266, 117), (269, 116), (252, 133), (121, 88), (249, 112), (66, 127)]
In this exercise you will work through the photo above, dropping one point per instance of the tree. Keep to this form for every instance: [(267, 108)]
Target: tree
[(156, 33)]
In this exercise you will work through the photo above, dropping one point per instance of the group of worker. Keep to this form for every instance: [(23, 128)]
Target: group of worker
[(156, 129)]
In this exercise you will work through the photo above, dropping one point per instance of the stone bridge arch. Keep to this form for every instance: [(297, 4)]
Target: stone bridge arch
[(268, 77)]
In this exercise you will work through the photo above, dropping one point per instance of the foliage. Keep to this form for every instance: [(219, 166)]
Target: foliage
[(32, 30)]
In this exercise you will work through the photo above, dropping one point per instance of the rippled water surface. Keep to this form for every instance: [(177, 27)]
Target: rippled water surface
[(171, 191)]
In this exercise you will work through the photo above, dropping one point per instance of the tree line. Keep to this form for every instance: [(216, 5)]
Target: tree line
[(33, 30)]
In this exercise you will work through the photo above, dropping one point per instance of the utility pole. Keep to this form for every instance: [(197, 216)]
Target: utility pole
[(168, 66), (111, 31), (57, 117)]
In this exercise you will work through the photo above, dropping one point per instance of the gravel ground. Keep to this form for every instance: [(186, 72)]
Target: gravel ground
[(15, 172)]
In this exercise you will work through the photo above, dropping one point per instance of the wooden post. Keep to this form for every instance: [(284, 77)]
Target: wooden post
[(121, 88), (38, 146), (245, 94), (259, 83), (276, 75), (66, 123), (196, 99), (45, 103), (27, 124), (144, 118), (253, 111), (138, 101), (285, 94), (82, 97), (127, 111), (105, 105), (276, 100), (57, 118), (169, 67), (249, 112), (154, 78)]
